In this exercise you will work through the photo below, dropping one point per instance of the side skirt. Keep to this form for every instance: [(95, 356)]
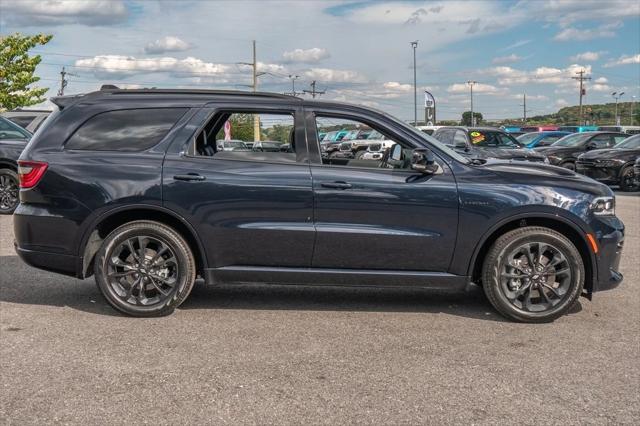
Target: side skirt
[(336, 277)]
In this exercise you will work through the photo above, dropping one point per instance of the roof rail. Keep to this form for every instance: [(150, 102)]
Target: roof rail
[(115, 90)]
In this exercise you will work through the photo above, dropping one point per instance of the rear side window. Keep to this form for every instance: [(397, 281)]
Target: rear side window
[(125, 130)]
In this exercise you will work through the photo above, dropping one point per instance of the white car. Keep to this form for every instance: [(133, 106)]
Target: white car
[(375, 151)]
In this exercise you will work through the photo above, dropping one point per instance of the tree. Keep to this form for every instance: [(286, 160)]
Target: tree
[(466, 118), (16, 71)]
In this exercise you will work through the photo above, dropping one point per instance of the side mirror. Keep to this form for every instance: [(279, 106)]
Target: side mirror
[(460, 146), (396, 153), (591, 145), (424, 161)]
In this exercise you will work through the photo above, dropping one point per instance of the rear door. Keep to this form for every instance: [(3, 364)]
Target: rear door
[(249, 208)]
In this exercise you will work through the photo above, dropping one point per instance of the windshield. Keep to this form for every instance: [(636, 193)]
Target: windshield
[(572, 140), (229, 144), (9, 130), (527, 138), (630, 143), (484, 138)]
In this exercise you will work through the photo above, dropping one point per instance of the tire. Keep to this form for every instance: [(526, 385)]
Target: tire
[(570, 165), (360, 154), (508, 294), (627, 182), (157, 285), (9, 190)]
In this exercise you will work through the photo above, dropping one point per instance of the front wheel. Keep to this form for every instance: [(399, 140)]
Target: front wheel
[(569, 165), (8, 191), (627, 179), (533, 274), (145, 269)]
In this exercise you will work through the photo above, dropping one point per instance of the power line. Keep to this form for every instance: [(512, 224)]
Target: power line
[(581, 78), (313, 92)]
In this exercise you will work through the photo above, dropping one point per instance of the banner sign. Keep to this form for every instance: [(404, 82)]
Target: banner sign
[(429, 109), (227, 131)]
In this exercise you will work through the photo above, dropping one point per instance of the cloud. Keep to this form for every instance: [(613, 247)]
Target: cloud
[(477, 88), (312, 55), (602, 31), (116, 65), (334, 76), (56, 12), (542, 75), (586, 57), (167, 44), (415, 17), (395, 86), (566, 12), (507, 59), (518, 43), (561, 103), (624, 60)]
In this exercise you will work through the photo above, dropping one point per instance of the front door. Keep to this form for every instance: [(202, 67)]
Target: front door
[(249, 198), (370, 214)]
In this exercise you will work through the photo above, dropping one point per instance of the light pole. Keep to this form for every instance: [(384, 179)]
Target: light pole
[(471, 83), (293, 83), (414, 46), (617, 96), (633, 104)]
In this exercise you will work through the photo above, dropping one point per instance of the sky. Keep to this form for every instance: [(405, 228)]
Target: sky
[(357, 51)]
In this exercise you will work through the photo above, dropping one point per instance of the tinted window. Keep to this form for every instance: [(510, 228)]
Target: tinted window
[(630, 143), (22, 121), (445, 136), (460, 139), (9, 130), (125, 130), (602, 141), (484, 138)]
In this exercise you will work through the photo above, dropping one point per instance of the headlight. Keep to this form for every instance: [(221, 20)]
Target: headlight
[(606, 163), (603, 206)]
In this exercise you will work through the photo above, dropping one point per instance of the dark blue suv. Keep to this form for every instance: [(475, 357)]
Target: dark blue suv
[(130, 185)]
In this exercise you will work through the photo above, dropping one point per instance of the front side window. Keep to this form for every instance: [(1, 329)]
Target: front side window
[(251, 136), (630, 143), (527, 138), (374, 151), (484, 139), (601, 141), (128, 130)]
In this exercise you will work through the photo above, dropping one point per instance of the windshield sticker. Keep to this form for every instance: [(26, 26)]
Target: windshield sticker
[(475, 134), (477, 138)]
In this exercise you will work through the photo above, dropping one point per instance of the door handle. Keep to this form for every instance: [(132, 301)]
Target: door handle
[(189, 177), (336, 185)]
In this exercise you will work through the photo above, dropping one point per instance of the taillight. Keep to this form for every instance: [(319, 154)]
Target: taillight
[(30, 172)]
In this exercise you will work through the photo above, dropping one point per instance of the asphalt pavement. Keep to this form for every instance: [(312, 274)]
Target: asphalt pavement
[(300, 355)]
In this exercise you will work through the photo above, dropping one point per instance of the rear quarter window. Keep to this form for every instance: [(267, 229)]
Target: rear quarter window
[(125, 130)]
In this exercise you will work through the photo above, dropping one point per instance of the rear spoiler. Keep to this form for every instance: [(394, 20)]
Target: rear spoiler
[(64, 101)]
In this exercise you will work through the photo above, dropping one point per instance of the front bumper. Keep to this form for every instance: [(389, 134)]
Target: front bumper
[(610, 247)]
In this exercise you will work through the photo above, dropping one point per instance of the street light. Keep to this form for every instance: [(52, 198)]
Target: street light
[(471, 83), (293, 83), (617, 96), (414, 46)]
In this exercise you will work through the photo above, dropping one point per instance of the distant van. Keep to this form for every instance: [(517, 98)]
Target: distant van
[(578, 129), (630, 130)]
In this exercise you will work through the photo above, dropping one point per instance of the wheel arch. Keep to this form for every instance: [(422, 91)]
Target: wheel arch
[(107, 222), (558, 223), (6, 163)]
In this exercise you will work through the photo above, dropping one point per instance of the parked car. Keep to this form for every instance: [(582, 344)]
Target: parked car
[(512, 130), (267, 146), (485, 142), (13, 139), (28, 119), (577, 129), (232, 145), (430, 130), (529, 129), (613, 166), (119, 185), (631, 130), (565, 151), (636, 172), (536, 139)]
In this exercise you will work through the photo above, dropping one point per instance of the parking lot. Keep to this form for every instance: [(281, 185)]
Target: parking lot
[(292, 355)]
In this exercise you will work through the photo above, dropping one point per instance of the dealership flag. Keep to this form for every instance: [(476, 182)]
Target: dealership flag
[(227, 131), (429, 109)]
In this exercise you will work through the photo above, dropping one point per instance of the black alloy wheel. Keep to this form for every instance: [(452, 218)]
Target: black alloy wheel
[(145, 269), (533, 274), (628, 180), (9, 191)]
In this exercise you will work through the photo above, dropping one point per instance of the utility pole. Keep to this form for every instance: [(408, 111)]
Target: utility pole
[(63, 81), (293, 85), (581, 78), (632, 109), (524, 109), (617, 96), (254, 86), (473, 118), (313, 92), (414, 46)]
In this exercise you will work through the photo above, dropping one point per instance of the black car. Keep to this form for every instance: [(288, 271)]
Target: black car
[(13, 139), (636, 172), (613, 166), (129, 185), (486, 142), (565, 151)]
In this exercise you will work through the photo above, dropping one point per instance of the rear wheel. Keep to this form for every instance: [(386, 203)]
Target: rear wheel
[(533, 274), (627, 179), (9, 190), (145, 269), (569, 165)]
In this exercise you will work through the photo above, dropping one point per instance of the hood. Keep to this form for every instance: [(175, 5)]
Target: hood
[(508, 153), (543, 174), (620, 153), (547, 150)]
